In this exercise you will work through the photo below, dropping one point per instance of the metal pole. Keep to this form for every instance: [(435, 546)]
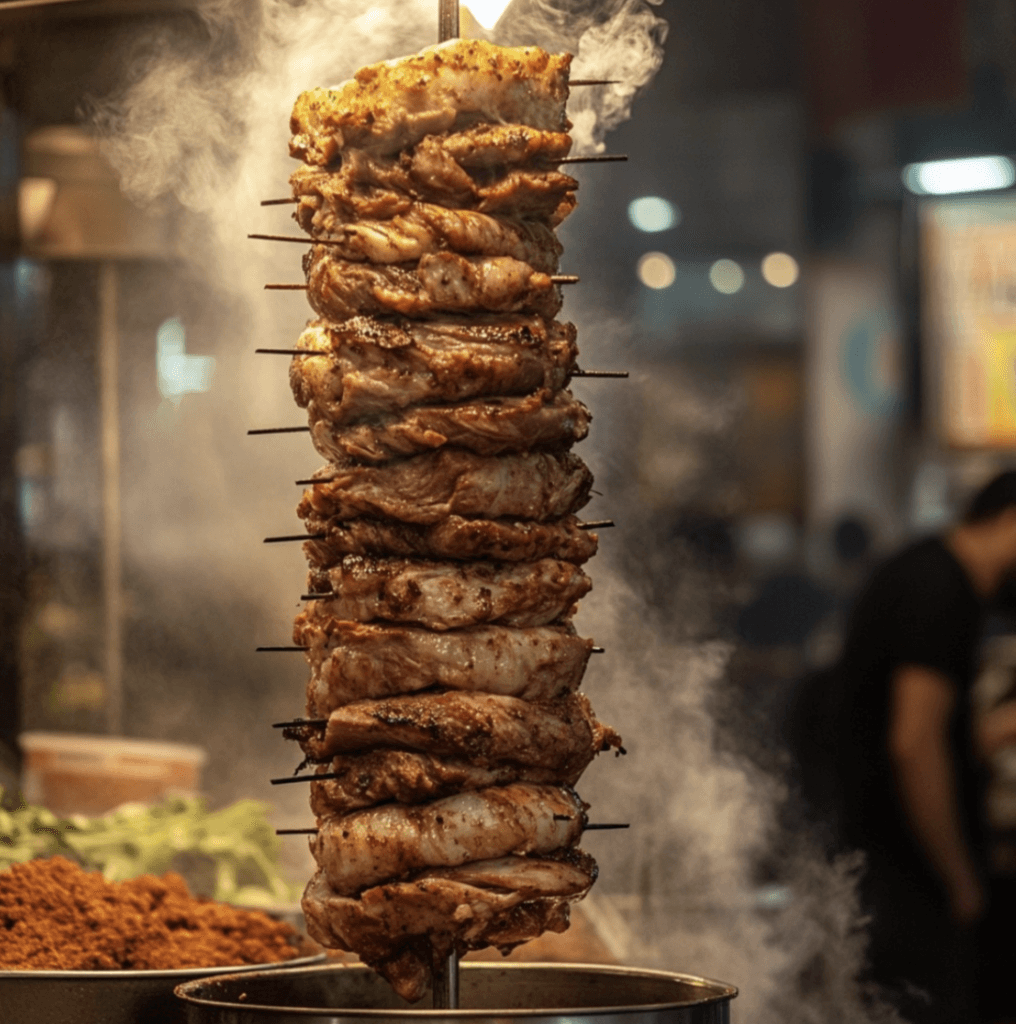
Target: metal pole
[(109, 403), (447, 20), (446, 984)]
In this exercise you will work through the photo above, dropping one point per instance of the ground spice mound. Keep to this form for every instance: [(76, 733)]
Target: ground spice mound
[(56, 916)]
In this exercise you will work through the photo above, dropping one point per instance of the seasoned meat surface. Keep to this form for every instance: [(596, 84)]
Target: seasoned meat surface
[(451, 481), (425, 229), (366, 188), (403, 928), (454, 85), (487, 426), (482, 729), (497, 145), (407, 777), (441, 282), (454, 537), (393, 841), (448, 595), (375, 367), (353, 660)]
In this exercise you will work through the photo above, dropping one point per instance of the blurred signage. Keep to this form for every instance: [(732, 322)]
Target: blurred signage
[(968, 252)]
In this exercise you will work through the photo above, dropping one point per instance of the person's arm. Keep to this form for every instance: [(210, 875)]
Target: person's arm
[(921, 709)]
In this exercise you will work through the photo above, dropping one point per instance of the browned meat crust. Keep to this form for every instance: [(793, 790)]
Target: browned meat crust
[(441, 282), (448, 595), (391, 842), (425, 228), (457, 538), (376, 367), (486, 426), (451, 482), (371, 189), (404, 929), (483, 729), (377, 776), (351, 661), (389, 106)]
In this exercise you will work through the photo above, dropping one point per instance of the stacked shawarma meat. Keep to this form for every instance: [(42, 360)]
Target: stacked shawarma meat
[(447, 554)]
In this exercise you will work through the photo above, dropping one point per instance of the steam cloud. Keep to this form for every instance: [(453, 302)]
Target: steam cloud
[(204, 119)]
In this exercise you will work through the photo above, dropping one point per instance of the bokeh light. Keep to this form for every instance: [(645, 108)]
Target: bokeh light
[(780, 269), (651, 213), (656, 270), (726, 276)]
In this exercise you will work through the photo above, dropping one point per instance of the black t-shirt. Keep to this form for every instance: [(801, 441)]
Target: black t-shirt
[(920, 608)]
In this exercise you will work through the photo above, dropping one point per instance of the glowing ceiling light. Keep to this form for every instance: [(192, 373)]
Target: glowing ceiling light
[(970, 174), (726, 276), (656, 270), (487, 12), (780, 270), (651, 213)]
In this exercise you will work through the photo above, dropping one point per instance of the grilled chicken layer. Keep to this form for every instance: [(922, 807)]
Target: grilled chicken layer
[(393, 841), (374, 368), (351, 661), (441, 282), (487, 426), (457, 538), (389, 106), (402, 929), (451, 482), (448, 595), (482, 729), (407, 777)]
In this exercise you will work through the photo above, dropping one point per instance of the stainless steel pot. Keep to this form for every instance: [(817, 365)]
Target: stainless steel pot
[(104, 997), (489, 994)]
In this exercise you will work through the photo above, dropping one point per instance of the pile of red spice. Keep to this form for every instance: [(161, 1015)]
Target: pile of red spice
[(56, 916)]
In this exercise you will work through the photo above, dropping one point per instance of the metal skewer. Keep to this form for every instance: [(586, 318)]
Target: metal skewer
[(554, 279), (287, 352), (279, 430), (317, 723), (597, 524), (314, 831), (600, 373), (299, 536), (445, 986), (278, 202), (260, 649), (595, 81)]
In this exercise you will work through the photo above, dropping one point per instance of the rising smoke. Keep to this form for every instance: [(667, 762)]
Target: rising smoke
[(203, 120)]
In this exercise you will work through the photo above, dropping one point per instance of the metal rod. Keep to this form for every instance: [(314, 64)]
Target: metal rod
[(597, 650), (285, 287), (596, 524), (313, 831), (279, 430), (600, 373), (258, 649), (311, 483), (295, 238), (596, 81), (447, 20), (296, 536), (445, 986), (317, 723), (112, 559), (565, 278), (304, 778), (318, 597), (278, 202), (287, 352), (605, 158)]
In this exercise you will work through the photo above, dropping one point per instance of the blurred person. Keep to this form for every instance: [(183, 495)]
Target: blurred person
[(884, 742)]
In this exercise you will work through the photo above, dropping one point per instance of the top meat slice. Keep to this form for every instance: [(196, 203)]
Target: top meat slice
[(454, 85)]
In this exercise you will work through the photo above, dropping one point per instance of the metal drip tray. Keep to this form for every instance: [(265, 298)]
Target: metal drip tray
[(489, 994)]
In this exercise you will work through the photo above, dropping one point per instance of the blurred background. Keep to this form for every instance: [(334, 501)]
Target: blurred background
[(808, 266)]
